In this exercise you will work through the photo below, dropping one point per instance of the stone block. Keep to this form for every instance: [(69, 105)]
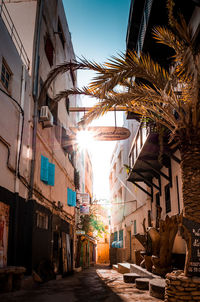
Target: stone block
[(142, 283), (130, 277), (123, 268), (157, 288)]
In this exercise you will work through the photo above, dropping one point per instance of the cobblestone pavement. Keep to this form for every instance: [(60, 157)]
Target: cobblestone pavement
[(95, 284)]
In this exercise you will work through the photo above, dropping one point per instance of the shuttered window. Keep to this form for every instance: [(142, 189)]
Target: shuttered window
[(44, 169), (51, 174), (71, 197), (47, 171)]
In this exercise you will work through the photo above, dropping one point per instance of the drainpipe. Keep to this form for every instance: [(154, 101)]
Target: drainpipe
[(35, 95), (20, 129), (18, 157)]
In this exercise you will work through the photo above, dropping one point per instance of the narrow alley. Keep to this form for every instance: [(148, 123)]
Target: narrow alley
[(93, 284)]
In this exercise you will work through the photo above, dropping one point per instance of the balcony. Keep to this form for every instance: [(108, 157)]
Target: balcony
[(5, 16), (147, 157)]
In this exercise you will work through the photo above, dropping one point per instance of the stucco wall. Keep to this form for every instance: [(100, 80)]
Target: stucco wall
[(10, 127)]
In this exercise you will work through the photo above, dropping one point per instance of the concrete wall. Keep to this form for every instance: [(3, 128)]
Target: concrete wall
[(11, 118), (48, 140), (23, 14), (15, 140), (88, 175), (132, 204), (47, 143)]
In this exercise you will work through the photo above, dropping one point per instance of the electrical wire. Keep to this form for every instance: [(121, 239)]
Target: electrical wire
[(22, 128), (23, 180)]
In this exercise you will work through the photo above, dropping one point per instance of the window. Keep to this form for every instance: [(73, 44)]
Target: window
[(71, 197), (42, 220), (60, 33), (5, 75), (167, 198), (47, 171), (134, 227), (53, 106), (48, 47), (158, 199), (121, 235)]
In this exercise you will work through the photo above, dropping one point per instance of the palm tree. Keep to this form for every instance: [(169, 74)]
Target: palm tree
[(169, 98)]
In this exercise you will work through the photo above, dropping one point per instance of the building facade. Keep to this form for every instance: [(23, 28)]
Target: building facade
[(47, 163), (15, 140), (153, 166)]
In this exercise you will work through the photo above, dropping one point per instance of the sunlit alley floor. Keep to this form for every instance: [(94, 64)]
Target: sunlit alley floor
[(93, 284)]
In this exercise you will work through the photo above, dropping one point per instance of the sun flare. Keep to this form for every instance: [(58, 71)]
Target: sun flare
[(85, 139)]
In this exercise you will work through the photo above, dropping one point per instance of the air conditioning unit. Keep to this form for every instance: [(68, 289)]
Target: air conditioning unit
[(46, 117)]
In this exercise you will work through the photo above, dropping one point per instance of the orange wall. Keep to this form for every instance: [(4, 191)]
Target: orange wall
[(103, 252)]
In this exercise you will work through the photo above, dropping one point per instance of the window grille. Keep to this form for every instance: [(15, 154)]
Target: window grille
[(5, 75)]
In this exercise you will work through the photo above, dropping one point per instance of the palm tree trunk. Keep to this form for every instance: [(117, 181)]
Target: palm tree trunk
[(190, 221), (190, 166)]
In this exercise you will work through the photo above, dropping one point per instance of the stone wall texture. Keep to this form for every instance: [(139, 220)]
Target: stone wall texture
[(181, 288)]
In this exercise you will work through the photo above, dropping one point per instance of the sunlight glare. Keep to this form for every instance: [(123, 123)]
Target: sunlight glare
[(85, 139)]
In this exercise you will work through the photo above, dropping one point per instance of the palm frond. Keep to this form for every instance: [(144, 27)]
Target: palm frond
[(74, 91), (166, 37), (167, 93), (60, 69), (124, 67)]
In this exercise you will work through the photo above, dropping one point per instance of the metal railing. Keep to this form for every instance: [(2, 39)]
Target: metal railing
[(138, 142), (5, 16)]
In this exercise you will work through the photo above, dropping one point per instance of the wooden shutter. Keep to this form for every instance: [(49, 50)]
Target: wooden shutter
[(44, 169), (51, 174)]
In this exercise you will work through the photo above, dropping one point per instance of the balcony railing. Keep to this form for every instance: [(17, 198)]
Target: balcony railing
[(5, 16), (138, 143)]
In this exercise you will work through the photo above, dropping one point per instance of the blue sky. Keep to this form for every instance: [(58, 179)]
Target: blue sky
[(98, 27), (98, 30)]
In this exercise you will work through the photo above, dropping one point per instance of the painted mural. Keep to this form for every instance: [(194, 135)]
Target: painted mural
[(4, 223)]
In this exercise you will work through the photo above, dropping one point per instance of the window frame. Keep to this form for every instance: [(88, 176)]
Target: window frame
[(7, 71), (61, 33), (167, 200), (49, 58), (42, 220), (134, 227)]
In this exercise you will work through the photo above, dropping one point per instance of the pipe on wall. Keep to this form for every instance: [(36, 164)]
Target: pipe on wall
[(35, 94)]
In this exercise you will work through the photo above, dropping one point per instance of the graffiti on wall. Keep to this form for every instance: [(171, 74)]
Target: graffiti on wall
[(4, 222)]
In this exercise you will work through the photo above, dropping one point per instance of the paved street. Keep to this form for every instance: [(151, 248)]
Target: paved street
[(94, 284)]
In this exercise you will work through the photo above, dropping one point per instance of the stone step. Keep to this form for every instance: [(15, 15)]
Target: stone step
[(142, 283), (142, 271), (157, 288), (124, 267), (115, 267), (130, 277)]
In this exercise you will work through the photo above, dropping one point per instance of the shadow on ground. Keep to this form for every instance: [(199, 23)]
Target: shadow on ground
[(86, 286)]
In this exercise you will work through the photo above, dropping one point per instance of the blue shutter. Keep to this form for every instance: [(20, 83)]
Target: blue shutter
[(44, 169), (51, 174), (73, 198), (69, 196)]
